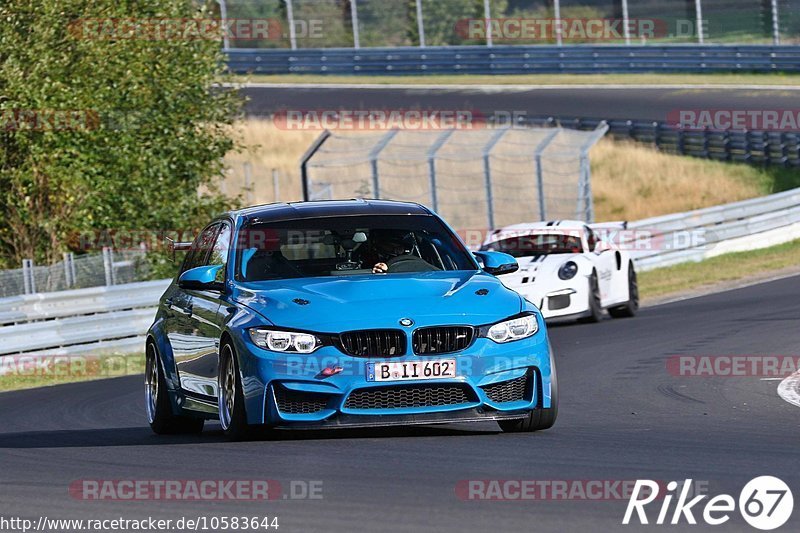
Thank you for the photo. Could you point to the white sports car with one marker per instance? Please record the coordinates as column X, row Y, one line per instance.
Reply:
column 568, row 270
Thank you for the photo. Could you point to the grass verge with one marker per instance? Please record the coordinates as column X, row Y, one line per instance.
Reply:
column 24, row 372
column 535, row 79
column 721, row 269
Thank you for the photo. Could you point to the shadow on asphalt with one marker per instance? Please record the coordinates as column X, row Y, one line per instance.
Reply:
column 144, row 437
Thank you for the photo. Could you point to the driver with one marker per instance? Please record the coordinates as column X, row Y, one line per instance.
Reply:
column 393, row 251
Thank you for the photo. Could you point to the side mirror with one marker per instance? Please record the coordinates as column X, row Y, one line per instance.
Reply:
column 202, row 278
column 497, row 263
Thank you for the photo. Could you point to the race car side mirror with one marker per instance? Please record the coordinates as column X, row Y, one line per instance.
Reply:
column 497, row 263
column 202, row 278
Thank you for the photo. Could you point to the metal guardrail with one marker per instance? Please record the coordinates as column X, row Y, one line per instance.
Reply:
column 115, row 319
column 517, row 59
column 754, row 147
column 746, row 225
column 81, row 320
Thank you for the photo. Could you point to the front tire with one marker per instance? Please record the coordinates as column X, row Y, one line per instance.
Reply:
column 230, row 398
column 159, row 411
column 595, row 308
column 629, row 308
column 538, row 419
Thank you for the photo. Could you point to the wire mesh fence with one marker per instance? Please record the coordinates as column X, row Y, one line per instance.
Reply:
column 76, row 272
column 378, row 23
column 476, row 179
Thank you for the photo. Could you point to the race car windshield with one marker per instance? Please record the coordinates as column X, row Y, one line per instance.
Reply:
column 538, row 244
column 346, row 246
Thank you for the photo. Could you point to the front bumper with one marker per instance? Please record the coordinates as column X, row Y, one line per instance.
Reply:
column 493, row 381
column 557, row 300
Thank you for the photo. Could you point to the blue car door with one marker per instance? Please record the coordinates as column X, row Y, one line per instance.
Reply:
column 198, row 367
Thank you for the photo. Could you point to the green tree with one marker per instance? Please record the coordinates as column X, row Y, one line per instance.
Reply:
column 145, row 127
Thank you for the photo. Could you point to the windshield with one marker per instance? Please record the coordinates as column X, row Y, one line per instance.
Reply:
column 538, row 244
column 346, row 246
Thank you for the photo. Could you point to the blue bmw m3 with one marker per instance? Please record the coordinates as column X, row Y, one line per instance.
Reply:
column 340, row 314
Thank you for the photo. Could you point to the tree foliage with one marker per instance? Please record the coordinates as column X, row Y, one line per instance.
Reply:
column 144, row 131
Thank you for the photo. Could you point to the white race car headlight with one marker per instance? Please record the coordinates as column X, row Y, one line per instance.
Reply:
column 285, row 341
column 568, row 270
column 513, row 329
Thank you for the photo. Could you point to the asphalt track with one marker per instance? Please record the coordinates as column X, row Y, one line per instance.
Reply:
column 623, row 417
column 637, row 103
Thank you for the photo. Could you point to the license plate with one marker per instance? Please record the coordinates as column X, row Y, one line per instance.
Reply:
column 410, row 370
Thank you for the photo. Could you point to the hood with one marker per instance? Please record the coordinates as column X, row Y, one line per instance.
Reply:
column 531, row 267
column 330, row 305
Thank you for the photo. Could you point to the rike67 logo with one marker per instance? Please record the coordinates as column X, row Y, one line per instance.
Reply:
column 765, row 503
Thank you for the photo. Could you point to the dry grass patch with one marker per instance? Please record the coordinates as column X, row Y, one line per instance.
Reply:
column 631, row 182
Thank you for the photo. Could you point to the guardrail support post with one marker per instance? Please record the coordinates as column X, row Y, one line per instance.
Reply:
column 420, row 25
column 28, row 279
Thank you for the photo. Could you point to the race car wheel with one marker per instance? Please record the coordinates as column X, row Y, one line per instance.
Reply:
column 595, row 309
column 629, row 308
column 230, row 398
column 159, row 412
column 538, row 419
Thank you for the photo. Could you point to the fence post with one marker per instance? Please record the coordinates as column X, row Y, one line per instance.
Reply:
column 537, row 157
column 108, row 266
column 28, row 279
column 223, row 14
column 420, row 25
column 354, row 22
column 625, row 18
column 68, row 279
column 438, row 143
column 373, row 159
column 557, row 17
column 698, row 8
column 247, row 167
column 290, row 21
column 487, row 173
column 276, row 185
column 487, row 15
column 776, row 24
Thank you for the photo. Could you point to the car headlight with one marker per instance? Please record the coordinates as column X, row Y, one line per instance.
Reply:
column 568, row 270
column 512, row 330
column 285, row 341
